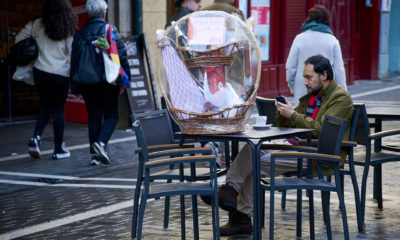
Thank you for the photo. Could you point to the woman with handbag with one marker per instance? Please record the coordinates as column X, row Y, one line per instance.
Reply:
column 53, row 33
column 89, row 78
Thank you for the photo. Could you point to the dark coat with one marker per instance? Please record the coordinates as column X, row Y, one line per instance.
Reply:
column 94, row 28
column 226, row 6
column 182, row 11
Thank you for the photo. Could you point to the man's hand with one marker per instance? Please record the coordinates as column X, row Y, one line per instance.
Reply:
column 285, row 110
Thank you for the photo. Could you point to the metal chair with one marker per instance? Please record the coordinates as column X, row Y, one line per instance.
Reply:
column 349, row 170
column 363, row 136
column 327, row 156
column 169, row 188
column 157, row 135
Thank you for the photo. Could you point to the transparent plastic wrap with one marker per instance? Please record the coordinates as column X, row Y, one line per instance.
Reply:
column 212, row 70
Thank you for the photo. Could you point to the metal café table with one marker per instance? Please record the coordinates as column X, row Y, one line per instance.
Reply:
column 254, row 138
column 383, row 113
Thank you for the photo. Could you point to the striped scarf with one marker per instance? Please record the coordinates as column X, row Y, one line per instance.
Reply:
column 314, row 103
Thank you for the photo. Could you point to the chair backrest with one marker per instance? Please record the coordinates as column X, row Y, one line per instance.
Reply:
column 331, row 135
column 266, row 107
column 354, row 123
column 175, row 127
column 153, row 128
column 362, row 129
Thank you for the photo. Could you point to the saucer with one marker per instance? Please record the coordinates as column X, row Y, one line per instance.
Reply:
column 264, row 126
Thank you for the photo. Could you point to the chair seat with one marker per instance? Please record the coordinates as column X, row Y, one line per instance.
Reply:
column 201, row 174
column 379, row 158
column 186, row 188
column 297, row 183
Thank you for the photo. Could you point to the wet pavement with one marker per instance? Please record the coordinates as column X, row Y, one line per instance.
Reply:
column 69, row 199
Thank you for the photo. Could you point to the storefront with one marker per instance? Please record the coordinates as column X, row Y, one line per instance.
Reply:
column 355, row 23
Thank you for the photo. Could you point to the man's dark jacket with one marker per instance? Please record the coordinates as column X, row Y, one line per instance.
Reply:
column 182, row 11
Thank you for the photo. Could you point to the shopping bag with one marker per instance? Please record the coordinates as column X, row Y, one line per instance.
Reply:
column 25, row 74
column 114, row 73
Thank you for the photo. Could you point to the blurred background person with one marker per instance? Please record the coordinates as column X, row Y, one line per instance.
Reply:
column 185, row 7
column 315, row 38
column 101, row 98
column 227, row 6
column 53, row 33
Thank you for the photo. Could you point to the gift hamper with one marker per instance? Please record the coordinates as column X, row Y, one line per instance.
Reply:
column 212, row 67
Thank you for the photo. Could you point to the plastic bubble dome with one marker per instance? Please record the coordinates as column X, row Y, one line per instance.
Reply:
column 212, row 67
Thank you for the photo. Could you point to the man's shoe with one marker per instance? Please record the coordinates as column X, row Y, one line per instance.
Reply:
column 227, row 198
column 98, row 148
column 62, row 153
column 239, row 223
column 34, row 147
column 95, row 161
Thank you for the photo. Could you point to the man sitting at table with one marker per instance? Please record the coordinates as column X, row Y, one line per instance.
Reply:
column 324, row 96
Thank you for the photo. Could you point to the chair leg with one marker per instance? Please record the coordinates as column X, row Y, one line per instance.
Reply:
column 343, row 208
column 271, row 215
column 360, row 223
column 311, row 213
column 299, row 213
column 378, row 184
column 143, row 202
column 166, row 212
column 325, row 196
column 364, row 191
column 283, row 200
column 215, row 217
column 183, row 226
column 195, row 217
column 262, row 207
column 136, row 206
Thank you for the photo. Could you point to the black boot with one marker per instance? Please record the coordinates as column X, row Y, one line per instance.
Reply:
column 239, row 223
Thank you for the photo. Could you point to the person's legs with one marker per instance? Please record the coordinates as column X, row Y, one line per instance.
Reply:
column 111, row 112
column 240, row 177
column 59, row 98
column 93, row 107
column 44, row 89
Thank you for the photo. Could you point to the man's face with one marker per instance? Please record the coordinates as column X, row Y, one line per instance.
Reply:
column 313, row 80
column 194, row 5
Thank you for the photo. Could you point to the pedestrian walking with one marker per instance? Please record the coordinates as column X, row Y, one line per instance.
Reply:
column 316, row 37
column 53, row 33
column 101, row 97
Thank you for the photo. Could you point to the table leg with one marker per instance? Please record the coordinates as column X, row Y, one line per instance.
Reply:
column 256, row 190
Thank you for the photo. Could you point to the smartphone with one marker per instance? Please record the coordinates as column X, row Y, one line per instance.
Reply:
column 280, row 99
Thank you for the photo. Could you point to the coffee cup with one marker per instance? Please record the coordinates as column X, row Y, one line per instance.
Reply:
column 261, row 120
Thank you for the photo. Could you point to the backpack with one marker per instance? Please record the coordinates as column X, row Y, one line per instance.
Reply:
column 89, row 69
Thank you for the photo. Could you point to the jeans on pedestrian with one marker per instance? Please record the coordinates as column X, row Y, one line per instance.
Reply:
column 102, row 104
column 53, row 91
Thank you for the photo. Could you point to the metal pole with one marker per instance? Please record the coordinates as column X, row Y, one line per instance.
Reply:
column 137, row 17
column 8, row 64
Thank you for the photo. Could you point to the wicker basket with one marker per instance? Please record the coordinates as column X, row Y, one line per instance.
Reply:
column 229, row 119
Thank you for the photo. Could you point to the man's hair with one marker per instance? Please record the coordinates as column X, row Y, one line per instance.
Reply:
column 179, row 3
column 58, row 19
column 321, row 65
column 96, row 8
column 319, row 14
